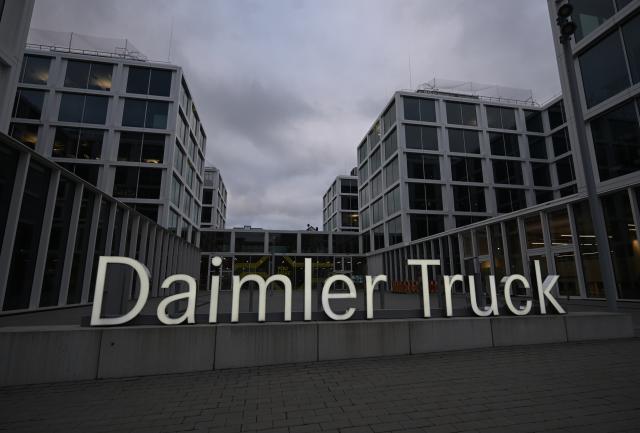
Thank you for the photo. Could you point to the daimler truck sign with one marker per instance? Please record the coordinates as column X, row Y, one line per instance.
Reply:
column 543, row 286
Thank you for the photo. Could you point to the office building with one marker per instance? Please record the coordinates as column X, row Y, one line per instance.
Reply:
column 128, row 126
column 435, row 160
column 15, row 17
column 340, row 205
column 214, row 200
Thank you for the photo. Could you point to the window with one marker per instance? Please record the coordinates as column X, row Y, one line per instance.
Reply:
column 86, row 75
column 83, row 108
column 139, row 147
column 564, row 168
column 616, row 138
column 543, row 196
column 504, row 144
column 283, row 243
column 604, row 70
column 469, row 199
column 349, row 202
column 146, row 81
column 537, row 147
column 374, row 135
column 145, row 114
column 507, row 172
column 590, row 14
column 465, row 220
column 556, row 115
column 376, row 212
column 421, row 166
column 28, row 104
column 466, row 169
column 392, row 201
column 501, row 117
column 349, row 219
column 533, row 120
column 176, row 191
column 541, row 175
column 8, row 163
column 425, row 196
column 348, row 186
column 561, row 143
column 425, row 225
column 631, row 35
column 77, row 143
column 87, row 172
column 510, row 200
column 390, row 145
column 365, row 218
column 421, row 137
column 363, row 173
column 135, row 182
column 378, row 237
column 312, row 243
column 362, row 152
column 364, row 195
column 461, row 114
column 391, row 174
column 568, row 190
column 419, row 109
column 389, row 118
column 376, row 185
column 464, row 141
column 376, row 159
column 394, row 229
column 25, row 133
column 35, row 69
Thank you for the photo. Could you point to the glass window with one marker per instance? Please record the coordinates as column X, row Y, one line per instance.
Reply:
column 376, row 159
column 95, row 109
column 377, row 212
column 421, row 137
column 283, row 243
column 138, row 80
column 469, row 199
column 616, row 137
column 420, row 166
column 513, row 247
column 83, row 108
column 390, row 145
column 507, row 172
column 537, row 147
column 561, row 143
column 132, row 182
column 566, row 269
column 533, row 120
column 138, row 147
column 419, row 109
column 461, row 114
column 362, row 152
column 363, row 173
column 510, row 200
column 157, row 115
column 533, row 231
column 394, row 229
column 212, row 241
column 556, row 115
column 348, row 186
column 543, row 196
column 378, row 237
column 376, row 185
column 27, row 238
column 425, row 225
column 464, row 141
column 391, row 173
column 314, row 243
column 541, row 174
column 345, row 244
column 604, row 70
column 35, row 69
column 425, row 196
column 25, row 133
column 501, row 117
column 559, row 228
column 147, row 114
column 392, row 201
column 504, row 144
column 28, row 104
column 564, row 168
column 466, row 169
column 160, row 82
column 85, row 75
column 389, row 118
column 8, row 164
column 590, row 14
column 631, row 35
column 78, row 143
column 374, row 135
column 623, row 243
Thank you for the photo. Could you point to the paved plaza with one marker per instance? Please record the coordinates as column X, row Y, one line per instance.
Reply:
column 575, row 387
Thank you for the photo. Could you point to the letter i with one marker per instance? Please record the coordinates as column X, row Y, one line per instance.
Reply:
column 215, row 287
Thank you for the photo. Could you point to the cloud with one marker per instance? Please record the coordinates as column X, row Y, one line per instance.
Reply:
column 287, row 89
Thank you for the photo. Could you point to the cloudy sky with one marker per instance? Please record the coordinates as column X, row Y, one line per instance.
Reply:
column 286, row 89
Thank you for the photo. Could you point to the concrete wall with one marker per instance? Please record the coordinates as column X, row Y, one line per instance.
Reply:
column 66, row 353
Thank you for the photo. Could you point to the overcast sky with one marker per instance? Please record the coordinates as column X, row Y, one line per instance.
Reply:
column 286, row 89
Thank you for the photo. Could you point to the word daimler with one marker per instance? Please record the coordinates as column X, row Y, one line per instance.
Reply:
column 543, row 286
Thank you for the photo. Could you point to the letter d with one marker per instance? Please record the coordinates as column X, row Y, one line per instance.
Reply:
column 143, row 275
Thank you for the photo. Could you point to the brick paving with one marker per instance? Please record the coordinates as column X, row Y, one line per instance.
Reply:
column 578, row 387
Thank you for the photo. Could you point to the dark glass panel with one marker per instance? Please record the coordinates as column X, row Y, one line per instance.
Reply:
column 138, row 81
column 71, row 108
column 77, row 74
column 315, row 243
column 149, row 183
column 130, row 146
column 90, row 145
column 537, row 147
column 160, row 83
column 153, row 148
column 95, row 109
column 589, row 15
column 35, row 69
column 157, row 115
column 533, row 120
column 80, row 251
column 28, row 104
column 556, row 115
column 100, row 77
column 134, row 113
column 425, row 225
column 345, row 244
column 25, row 133
column 125, row 182
column 216, row 242
column 8, row 164
column 566, row 269
column 533, row 231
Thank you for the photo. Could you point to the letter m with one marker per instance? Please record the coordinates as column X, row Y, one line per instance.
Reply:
column 262, row 294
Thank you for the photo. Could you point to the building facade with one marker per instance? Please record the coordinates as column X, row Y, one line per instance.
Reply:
column 214, row 200
column 15, row 18
column 434, row 161
column 124, row 124
column 340, row 205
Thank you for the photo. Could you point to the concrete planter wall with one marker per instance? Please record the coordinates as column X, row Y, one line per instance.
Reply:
column 56, row 354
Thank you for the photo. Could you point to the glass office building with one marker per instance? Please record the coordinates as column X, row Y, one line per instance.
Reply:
column 126, row 125
column 214, row 200
column 340, row 205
